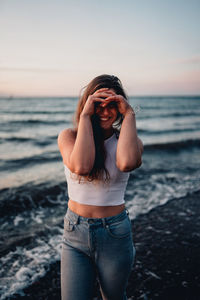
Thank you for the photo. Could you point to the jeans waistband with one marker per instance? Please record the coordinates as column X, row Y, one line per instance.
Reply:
column 75, row 218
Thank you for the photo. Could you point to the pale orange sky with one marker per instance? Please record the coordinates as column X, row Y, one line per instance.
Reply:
column 54, row 48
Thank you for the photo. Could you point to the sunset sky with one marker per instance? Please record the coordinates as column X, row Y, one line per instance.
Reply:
column 54, row 48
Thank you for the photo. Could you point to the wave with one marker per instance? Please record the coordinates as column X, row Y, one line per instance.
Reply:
column 30, row 196
column 37, row 112
column 47, row 157
column 172, row 146
column 169, row 115
column 157, row 132
column 18, row 139
column 167, row 97
column 15, row 139
column 32, row 122
column 27, row 261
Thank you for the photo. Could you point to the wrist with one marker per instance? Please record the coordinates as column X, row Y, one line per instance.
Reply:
column 85, row 116
column 129, row 111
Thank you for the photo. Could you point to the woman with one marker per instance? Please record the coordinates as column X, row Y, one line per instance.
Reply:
column 98, row 155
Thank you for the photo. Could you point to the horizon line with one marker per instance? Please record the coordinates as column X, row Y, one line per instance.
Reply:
column 73, row 96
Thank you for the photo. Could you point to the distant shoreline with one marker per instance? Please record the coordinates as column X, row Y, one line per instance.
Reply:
column 11, row 97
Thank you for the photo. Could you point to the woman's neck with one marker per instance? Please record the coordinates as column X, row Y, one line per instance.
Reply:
column 108, row 133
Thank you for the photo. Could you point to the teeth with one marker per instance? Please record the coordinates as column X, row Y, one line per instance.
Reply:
column 104, row 119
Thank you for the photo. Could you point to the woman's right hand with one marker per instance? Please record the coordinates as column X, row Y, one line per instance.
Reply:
column 98, row 96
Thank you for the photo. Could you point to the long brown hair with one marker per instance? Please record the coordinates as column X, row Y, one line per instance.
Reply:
column 99, row 171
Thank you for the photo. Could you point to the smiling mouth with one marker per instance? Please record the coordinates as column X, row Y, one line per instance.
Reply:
column 104, row 119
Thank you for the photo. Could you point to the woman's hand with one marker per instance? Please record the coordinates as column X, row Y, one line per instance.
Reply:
column 122, row 105
column 98, row 96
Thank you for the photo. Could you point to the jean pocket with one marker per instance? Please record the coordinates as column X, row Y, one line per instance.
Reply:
column 120, row 229
column 68, row 225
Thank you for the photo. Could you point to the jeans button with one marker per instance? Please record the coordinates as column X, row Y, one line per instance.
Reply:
column 90, row 221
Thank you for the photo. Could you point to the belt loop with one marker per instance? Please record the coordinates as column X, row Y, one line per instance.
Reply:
column 104, row 222
column 77, row 220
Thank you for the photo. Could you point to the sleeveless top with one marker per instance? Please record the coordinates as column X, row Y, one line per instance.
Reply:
column 98, row 192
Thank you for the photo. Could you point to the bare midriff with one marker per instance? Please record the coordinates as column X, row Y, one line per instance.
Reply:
column 93, row 211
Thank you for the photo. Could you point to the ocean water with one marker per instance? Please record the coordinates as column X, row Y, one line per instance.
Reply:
column 33, row 191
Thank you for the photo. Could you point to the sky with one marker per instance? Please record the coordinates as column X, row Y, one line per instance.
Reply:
column 55, row 48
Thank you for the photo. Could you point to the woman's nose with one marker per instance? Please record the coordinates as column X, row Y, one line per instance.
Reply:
column 105, row 110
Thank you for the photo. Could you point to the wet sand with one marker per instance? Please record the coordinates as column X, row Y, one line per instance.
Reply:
column 167, row 263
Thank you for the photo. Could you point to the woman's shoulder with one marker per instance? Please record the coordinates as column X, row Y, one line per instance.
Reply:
column 67, row 133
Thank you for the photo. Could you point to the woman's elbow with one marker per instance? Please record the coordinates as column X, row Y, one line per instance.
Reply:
column 139, row 163
column 82, row 171
column 127, row 167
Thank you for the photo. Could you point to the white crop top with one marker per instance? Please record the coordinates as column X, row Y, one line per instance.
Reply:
column 100, row 193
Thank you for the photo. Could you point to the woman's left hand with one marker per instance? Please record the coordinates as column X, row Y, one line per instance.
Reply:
column 122, row 104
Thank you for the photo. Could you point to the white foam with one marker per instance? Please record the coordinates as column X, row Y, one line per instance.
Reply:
column 22, row 267
column 159, row 191
column 23, row 274
column 17, row 220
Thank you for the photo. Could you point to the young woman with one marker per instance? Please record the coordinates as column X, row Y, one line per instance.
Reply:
column 98, row 155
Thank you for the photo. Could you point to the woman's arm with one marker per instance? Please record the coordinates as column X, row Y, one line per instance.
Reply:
column 129, row 147
column 78, row 150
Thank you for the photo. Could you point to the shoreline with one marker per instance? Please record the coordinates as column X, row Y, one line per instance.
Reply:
column 167, row 262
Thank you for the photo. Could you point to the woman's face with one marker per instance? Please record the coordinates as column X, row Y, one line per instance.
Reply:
column 107, row 113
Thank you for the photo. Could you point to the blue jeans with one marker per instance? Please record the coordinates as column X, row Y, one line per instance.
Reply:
column 99, row 248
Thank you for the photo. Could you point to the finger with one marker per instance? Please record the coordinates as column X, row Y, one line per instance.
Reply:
column 103, row 94
column 105, row 90
column 96, row 99
column 107, row 102
column 112, row 92
column 100, row 90
column 111, row 98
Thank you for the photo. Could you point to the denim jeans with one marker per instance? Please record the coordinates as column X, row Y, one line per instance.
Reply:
column 99, row 248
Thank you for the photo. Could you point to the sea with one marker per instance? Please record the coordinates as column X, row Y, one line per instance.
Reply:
column 33, row 190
